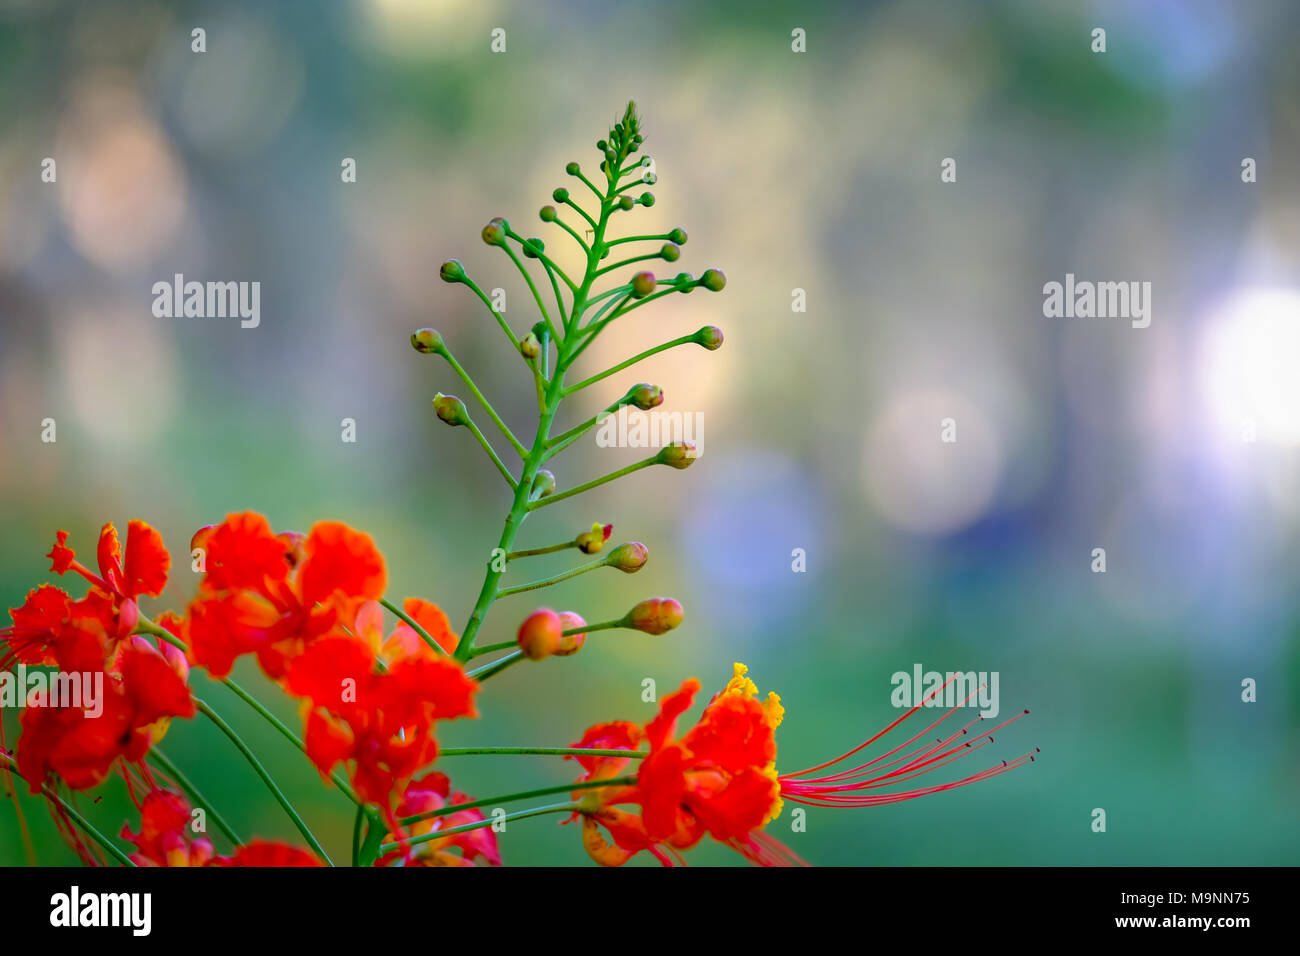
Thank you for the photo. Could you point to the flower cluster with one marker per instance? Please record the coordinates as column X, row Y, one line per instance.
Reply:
column 373, row 681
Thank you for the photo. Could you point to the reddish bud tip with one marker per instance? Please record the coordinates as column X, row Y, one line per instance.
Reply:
column 710, row 337
column 571, row 643
column 644, row 396
column 643, row 283
column 427, row 341
column 451, row 409
column 680, row 454
column 593, row 541
column 629, row 558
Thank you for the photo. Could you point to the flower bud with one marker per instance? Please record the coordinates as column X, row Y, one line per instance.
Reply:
column 529, row 346
column 200, row 538
column 713, row 280
column 548, row 214
column 452, row 271
column 543, row 484
column 643, row 283
column 602, row 145
column 654, row 616
column 647, row 199
column 625, row 203
column 571, row 643
column 533, row 248
column 540, row 634
column 678, row 236
column 572, row 169
column 684, row 281
column 629, row 558
column 494, row 233
column 591, row 542
column 670, row 252
column 451, row 409
column 427, row 341
column 710, row 337
column 680, row 454
column 128, row 616
column 644, row 396
column 560, row 195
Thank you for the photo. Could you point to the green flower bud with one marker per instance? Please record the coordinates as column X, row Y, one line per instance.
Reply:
column 548, row 214
column 625, row 203
column 655, row 616
column 452, row 271
column 678, row 236
column 670, row 253
column 427, row 341
column 647, row 199
column 451, row 409
column 679, row 455
column 543, row 484
column 560, row 195
column 628, row 558
column 494, row 233
column 643, row 283
column 529, row 346
column 602, row 145
column 572, row 169
column 713, row 280
column 710, row 337
column 533, row 248
column 591, row 542
column 644, row 396
column 684, row 281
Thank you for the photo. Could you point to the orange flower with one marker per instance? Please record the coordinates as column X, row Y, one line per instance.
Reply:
column 258, row 597
column 721, row 777
column 375, row 711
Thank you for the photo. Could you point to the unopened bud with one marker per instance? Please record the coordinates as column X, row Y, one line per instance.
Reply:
column 647, row 199
column 644, row 396
column 654, row 616
column 625, row 203
column 677, row 236
column 713, row 280
column 451, row 409
column 572, row 169
column 548, row 214
column 529, row 346
column 543, row 484
column 710, row 337
column 670, row 253
column 571, row 643
column 560, row 194
column 494, row 233
column 684, row 281
column 200, row 537
column 629, row 558
column 427, row 341
column 452, row 271
column 593, row 541
column 533, row 248
column 680, row 454
column 540, row 634
column 643, row 283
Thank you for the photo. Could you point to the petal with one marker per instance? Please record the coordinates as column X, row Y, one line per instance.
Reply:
column 147, row 561
column 109, row 553
column 61, row 557
column 242, row 552
column 340, row 561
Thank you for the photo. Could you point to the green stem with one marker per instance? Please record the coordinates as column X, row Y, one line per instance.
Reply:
column 195, row 796
column 77, row 819
column 524, row 795
column 481, row 674
column 479, row 397
column 491, row 453
column 594, row 483
column 553, row 579
column 412, row 624
column 488, row 649
column 536, row 298
column 534, row 552
column 266, row 779
column 501, row 319
column 467, row 827
column 683, row 340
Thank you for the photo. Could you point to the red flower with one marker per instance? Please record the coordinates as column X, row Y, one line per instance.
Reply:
column 721, row 778
column 258, row 596
column 375, row 712
column 52, row 629
column 477, row 847
column 268, row 853
column 166, row 837
column 137, row 696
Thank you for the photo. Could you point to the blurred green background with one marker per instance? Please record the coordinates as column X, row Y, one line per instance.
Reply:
column 817, row 171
